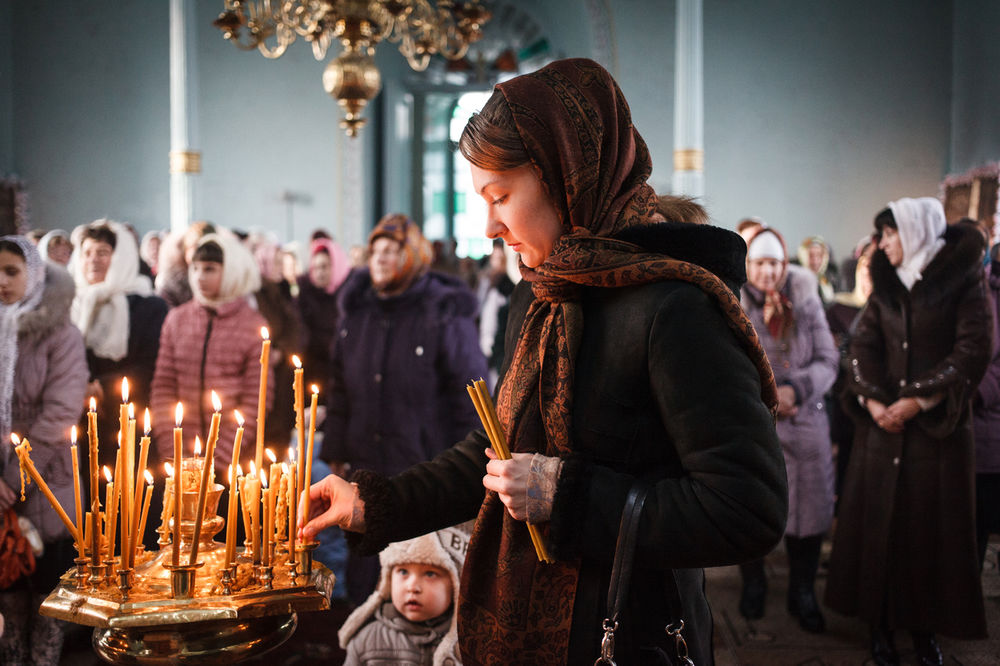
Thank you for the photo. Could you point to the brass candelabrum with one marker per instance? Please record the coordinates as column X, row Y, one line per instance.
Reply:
column 206, row 613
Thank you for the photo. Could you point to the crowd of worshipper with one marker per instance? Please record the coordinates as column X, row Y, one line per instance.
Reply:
column 392, row 332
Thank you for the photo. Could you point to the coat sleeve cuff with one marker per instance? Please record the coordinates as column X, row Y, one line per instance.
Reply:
column 376, row 492
column 566, row 522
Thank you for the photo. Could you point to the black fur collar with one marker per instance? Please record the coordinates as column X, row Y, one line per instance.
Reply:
column 715, row 249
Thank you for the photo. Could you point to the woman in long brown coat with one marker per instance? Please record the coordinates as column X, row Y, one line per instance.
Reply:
column 904, row 555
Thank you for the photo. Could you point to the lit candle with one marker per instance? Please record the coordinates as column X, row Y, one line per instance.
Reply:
column 273, row 470
column 129, row 509
column 178, row 473
column 122, row 472
column 234, row 495
column 299, row 409
column 95, row 479
column 145, row 506
column 109, row 513
column 206, row 471
column 137, row 532
column 265, row 357
column 266, row 557
column 252, row 488
column 22, row 449
column 281, row 506
column 308, row 462
column 81, row 546
column 168, row 502
column 244, row 511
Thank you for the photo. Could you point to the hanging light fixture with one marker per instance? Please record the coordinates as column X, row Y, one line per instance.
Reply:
column 420, row 28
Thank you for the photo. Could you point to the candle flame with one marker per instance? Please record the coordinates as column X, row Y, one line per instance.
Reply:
column 124, row 389
column 263, row 480
column 270, row 455
column 93, row 404
column 15, row 439
column 179, row 415
column 263, row 332
column 297, row 362
column 239, row 470
column 291, row 453
column 216, row 402
column 145, row 422
column 238, row 417
column 131, row 410
column 253, row 469
column 119, row 439
column 315, row 389
column 107, row 473
column 168, row 468
column 72, row 434
column 197, row 445
column 148, row 475
column 284, row 468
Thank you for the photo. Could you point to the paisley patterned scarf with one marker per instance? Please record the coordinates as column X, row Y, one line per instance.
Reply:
column 576, row 126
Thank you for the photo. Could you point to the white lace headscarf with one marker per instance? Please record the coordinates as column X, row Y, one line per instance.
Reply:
column 920, row 223
column 10, row 316
column 240, row 273
column 100, row 310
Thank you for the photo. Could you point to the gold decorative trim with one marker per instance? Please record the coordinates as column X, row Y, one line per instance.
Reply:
column 689, row 159
column 185, row 161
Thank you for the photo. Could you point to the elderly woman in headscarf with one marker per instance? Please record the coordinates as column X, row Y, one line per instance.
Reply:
column 630, row 364
column 120, row 319
column 788, row 315
column 904, row 553
column 317, row 302
column 405, row 348
column 56, row 246
column 43, row 376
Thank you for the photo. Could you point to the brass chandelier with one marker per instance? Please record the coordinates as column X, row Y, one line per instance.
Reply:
column 420, row 28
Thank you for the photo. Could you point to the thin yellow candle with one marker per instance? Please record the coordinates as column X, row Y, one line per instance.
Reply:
column 273, row 470
column 128, row 490
column 137, row 533
column 145, row 506
column 95, row 479
column 81, row 546
column 299, row 413
column 292, row 509
column 231, row 517
column 178, row 496
column 265, row 357
column 266, row 541
column 109, row 513
column 88, row 536
column 168, row 502
column 206, row 471
column 308, row 462
column 22, row 449
column 122, row 487
column 252, row 487
column 244, row 511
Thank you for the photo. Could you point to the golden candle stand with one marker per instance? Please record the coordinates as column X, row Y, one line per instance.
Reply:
column 157, row 613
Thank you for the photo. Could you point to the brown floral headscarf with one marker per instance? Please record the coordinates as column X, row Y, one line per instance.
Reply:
column 415, row 249
column 576, row 127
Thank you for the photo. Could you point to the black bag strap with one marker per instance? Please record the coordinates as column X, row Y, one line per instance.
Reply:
column 621, row 576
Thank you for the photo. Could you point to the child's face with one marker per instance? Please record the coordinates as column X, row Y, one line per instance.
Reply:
column 207, row 278
column 421, row 592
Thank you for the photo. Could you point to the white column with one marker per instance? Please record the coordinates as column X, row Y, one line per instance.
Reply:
column 689, row 121
column 185, row 161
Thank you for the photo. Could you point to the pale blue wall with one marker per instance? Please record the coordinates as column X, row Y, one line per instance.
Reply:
column 976, row 120
column 816, row 114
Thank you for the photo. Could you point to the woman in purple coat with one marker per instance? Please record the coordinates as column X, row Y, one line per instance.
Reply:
column 783, row 304
column 405, row 349
column 43, row 377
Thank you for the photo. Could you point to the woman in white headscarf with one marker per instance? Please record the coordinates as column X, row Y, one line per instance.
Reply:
column 904, row 554
column 43, row 375
column 120, row 319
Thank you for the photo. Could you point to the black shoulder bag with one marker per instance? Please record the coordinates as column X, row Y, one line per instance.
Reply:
column 621, row 577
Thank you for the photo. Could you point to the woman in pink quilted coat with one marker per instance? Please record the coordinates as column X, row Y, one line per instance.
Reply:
column 211, row 343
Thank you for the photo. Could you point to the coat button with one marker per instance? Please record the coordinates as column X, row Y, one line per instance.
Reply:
column 378, row 377
column 916, row 385
column 819, row 405
column 419, row 350
column 895, row 461
column 343, row 332
column 902, row 382
column 906, row 345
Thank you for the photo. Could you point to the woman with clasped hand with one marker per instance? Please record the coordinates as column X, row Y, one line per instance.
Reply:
column 630, row 359
column 904, row 553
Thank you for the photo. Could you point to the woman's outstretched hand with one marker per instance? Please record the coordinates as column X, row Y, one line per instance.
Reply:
column 332, row 502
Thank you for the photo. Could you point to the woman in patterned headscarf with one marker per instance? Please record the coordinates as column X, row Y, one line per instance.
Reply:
column 631, row 361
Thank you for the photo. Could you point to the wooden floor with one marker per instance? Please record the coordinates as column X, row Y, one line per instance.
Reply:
column 776, row 640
